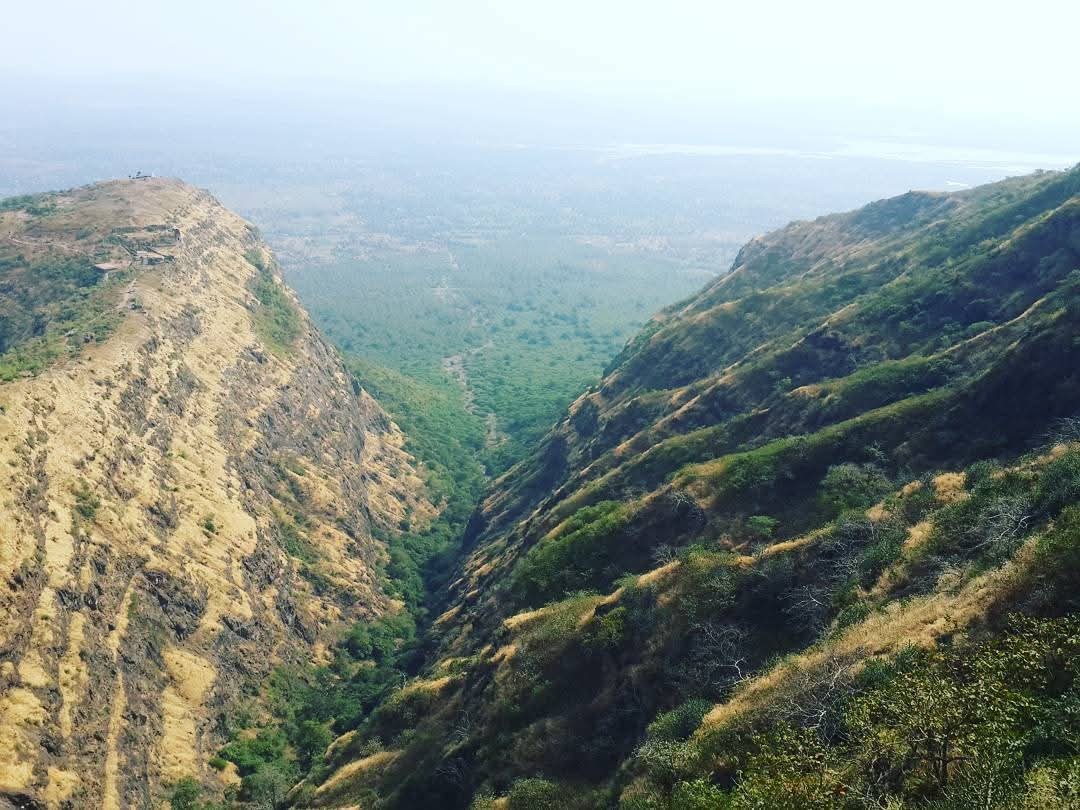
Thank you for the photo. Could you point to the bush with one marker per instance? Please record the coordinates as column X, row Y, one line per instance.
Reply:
column 1057, row 562
column 681, row 722
column 184, row 794
column 248, row 754
column 790, row 770
column 852, row 486
column 699, row 794
column 86, row 502
column 987, row 703
column 607, row 631
column 852, row 614
column 268, row 786
column 255, row 258
column 990, row 523
column 667, row 761
column 760, row 528
column 1059, row 484
column 535, row 794
column 574, row 558
column 277, row 319
column 311, row 740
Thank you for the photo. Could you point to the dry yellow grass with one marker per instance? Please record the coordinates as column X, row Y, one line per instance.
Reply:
column 339, row 743
column 191, row 675
column 949, row 487
column 910, row 488
column 877, row 512
column 426, row 685
column 60, row 786
column 917, row 535
column 72, row 677
column 448, row 615
column 523, row 618
column 657, row 574
column 110, row 795
column 504, row 653
column 178, row 744
column 920, row 621
column 344, row 777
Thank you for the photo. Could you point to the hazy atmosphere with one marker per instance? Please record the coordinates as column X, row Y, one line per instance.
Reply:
column 551, row 406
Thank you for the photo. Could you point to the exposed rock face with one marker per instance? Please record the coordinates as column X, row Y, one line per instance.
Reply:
column 186, row 504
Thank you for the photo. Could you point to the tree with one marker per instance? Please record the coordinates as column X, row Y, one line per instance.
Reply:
column 311, row 740
column 852, row 486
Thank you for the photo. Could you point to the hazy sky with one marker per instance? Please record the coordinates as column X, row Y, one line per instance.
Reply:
column 1013, row 56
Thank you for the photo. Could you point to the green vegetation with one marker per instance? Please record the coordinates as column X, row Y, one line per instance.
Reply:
column 833, row 733
column 950, row 728
column 450, row 443
column 185, row 794
column 309, row 706
column 852, row 486
column 277, row 318
column 87, row 502
column 51, row 308
column 293, row 541
column 36, row 205
column 808, row 544
column 533, row 322
column 575, row 558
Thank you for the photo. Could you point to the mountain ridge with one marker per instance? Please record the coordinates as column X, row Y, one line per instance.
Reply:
column 194, row 490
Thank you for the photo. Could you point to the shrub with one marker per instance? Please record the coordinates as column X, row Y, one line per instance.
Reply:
column 268, row 786
column 1059, row 484
column 761, row 527
column 608, row 630
column 255, row 258
column 791, row 770
column 985, row 703
column 311, row 740
column 699, row 794
column 574, row 558
column 249, row 754
column 852, row 486
column 990, row 523
column 667, row 761
column 184, row 794
column 1057, row 562
column 535, row 794
column 86, row 502
column 852, row 614
column 886, row 541
column 680, row 722
column 277, row 319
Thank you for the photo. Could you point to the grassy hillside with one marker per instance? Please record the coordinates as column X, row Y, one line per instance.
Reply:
column 812, row 541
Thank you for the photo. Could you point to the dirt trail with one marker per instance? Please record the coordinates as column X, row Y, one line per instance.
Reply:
column 454, row 364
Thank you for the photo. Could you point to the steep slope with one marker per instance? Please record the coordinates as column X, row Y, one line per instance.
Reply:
column 835, row 450
column 192, row 486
